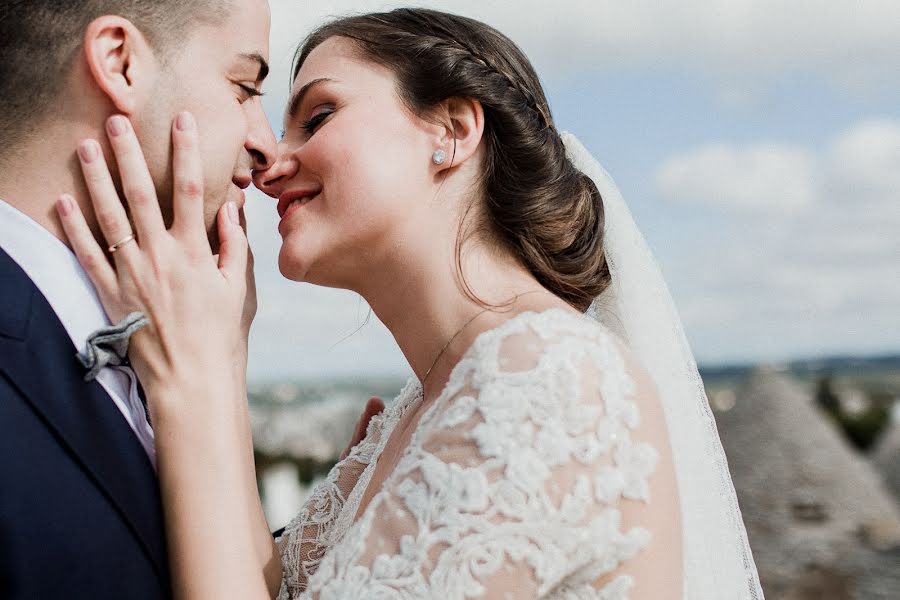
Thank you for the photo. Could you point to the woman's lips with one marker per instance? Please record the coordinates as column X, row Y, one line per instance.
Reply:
column 292, row 208
column 290, row 201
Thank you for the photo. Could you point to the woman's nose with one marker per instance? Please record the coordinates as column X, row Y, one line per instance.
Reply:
column 271, row 180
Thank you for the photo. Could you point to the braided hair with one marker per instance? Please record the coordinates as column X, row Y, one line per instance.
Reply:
column 537, row 204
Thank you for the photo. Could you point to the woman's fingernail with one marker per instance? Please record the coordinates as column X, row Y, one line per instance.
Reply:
column 64, row 205
column 116, row 125
column 184, row 121
column 233, row 213
column 88, row 151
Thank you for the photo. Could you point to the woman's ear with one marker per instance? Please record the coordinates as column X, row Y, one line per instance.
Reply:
column 463, row 129
column 120, row 60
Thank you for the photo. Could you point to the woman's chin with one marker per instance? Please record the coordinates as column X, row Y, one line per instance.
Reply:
column 302, row 271
column 290, row 267
column 305, row 266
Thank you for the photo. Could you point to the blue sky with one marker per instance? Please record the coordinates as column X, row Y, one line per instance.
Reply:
column 758, row 147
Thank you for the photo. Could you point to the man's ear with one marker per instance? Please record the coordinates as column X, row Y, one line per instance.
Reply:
column 120, row 60
column 462, row 131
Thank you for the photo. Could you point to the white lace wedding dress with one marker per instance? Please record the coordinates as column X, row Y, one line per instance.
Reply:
column 511, row 487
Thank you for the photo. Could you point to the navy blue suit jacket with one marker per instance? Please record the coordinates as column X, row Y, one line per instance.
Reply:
column 80, row 513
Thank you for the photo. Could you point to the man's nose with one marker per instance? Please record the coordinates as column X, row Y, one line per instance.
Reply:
column 260, row 141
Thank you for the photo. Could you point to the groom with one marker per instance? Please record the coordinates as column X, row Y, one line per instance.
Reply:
column 80, row 514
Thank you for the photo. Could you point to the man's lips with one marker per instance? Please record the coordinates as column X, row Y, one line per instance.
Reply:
column 242, row 182
column 284, row 201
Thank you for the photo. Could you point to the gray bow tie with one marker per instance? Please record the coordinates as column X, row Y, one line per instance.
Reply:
column 109, row 345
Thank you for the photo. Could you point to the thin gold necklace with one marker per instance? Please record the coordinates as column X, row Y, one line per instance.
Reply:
column 447, row 345
column 460, row 330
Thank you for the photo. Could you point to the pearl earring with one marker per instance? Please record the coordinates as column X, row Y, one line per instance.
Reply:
column 438, row 157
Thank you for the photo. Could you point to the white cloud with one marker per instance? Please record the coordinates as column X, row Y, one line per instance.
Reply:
column 866, row 160
column 860, row 166
column 770, row 178
column 820, row 278
column 741, row 44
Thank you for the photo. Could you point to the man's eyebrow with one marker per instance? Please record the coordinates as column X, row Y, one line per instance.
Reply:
column 294, row 104
column 258, row 59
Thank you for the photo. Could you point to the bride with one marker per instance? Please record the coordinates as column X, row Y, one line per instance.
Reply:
column 531, row 456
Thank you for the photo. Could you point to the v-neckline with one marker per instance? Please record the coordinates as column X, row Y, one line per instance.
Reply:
column 413, row 398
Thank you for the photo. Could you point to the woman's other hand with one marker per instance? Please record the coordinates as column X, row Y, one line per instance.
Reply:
column 373, row 407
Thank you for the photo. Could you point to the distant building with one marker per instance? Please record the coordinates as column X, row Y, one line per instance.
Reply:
column 821, row 523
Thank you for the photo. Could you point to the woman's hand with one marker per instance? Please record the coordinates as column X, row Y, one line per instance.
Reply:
column 194, row 300
column 191, row 359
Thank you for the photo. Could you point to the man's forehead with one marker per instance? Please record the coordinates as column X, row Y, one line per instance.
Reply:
column 246, row 33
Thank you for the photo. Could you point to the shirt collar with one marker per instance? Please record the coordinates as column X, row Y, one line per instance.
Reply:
column 56, row 272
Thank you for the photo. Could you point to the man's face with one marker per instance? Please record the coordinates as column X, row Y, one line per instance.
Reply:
column 216, row 75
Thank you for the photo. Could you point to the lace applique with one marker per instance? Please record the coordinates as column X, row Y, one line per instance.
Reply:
column 510, row 486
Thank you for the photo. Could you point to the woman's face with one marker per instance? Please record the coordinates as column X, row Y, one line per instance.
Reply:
column 353, row 173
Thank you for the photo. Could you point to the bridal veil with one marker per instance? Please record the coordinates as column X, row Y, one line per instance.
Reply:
column 718, row 563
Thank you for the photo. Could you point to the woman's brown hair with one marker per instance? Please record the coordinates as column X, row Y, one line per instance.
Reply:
column 537, row 204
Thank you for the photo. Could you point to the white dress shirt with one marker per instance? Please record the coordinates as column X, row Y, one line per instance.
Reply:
column 56, row 272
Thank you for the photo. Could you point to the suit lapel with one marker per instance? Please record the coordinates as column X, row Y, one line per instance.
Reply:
column 37, row 356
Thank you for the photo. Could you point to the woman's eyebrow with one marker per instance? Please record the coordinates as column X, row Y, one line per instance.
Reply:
column 294, row 104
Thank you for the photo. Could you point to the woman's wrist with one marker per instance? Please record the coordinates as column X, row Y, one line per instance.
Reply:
column 186, row 395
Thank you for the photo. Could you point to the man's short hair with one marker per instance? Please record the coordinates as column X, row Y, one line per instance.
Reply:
column 40, row 38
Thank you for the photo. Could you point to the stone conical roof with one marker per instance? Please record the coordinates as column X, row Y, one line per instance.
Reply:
column 818, row 516
column 886, row 458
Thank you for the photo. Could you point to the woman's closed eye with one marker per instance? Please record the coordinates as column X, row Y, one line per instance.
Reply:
column 316, row 120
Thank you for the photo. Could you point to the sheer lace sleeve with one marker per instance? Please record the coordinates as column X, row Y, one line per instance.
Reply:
column 314, row 530
column 514, row 483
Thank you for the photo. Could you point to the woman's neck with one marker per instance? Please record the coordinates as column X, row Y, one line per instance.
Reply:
column 432, row 318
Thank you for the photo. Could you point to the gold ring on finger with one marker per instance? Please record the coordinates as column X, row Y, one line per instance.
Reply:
column 120, row 243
